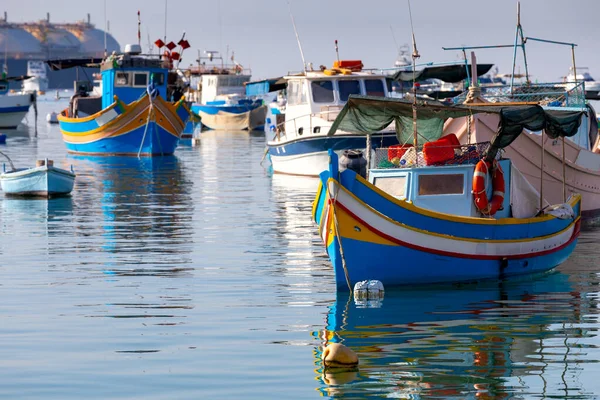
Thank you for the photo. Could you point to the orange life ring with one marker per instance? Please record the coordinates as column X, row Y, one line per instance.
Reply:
column 485, row 206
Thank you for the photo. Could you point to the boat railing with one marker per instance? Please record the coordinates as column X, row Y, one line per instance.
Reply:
column 225, row 69
column 558, row 94
column 327, row 115
column 429, row 154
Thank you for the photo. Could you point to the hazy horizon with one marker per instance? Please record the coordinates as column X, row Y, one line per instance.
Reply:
column 262, row 37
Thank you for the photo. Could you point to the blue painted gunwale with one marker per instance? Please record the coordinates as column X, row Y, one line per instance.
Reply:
column 14, row 109
column 316, row 144
column 468, row 228
column 85, row 125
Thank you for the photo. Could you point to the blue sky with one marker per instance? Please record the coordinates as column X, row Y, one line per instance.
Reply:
column 261, row 34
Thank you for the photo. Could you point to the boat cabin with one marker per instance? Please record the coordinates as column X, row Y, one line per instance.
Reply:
column 217, row 89
column 127, row 76
column 445, row 189
column 314, row 98
column 36, row 68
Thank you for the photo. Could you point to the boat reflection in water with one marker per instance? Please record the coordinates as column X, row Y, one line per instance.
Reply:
column 300, row 259
column 48, row 218
column 479, row 341
column 146, row 209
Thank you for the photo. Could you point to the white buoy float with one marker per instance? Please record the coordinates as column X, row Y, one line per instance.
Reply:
column 368, row 293
column 52, row 118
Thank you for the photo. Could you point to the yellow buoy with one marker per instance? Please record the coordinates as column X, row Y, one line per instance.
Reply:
column 338, row 355
column 330, row 72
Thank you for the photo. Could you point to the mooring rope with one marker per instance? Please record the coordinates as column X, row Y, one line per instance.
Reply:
column 339, row 239
column 152, row 93
column 12, row 166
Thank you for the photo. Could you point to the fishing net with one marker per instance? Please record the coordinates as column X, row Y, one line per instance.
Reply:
column 406, row 156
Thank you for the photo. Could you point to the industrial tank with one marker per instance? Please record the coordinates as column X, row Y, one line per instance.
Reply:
column 44, row 40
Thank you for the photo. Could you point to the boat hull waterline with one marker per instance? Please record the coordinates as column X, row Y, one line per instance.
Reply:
column 309, row 156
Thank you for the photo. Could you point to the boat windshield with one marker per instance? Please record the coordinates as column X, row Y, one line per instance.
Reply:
column 587, row 77
column 374, row 87
column 348, row 87
column 322, row 91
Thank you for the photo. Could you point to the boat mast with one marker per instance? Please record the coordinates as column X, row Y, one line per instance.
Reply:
column 297, row 38
column 519, row 35
column 415, row 55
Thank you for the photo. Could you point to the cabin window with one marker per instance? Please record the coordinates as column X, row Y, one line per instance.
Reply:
column 322, row 91
column 140, row 79
column 374, row 87
column 158, row 79
column 122, row 79
column 396, row 186
column 303, row 93
column 436, row 184
column 347, row 88
column 3, row 88
column 294, row 93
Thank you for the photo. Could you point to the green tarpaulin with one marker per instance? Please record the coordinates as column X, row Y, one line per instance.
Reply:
column 368, row 114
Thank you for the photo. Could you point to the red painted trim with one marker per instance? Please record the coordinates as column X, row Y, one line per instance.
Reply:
column 574, row 236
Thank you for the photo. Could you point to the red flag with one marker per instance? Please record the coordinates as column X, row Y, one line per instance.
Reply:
column 175, row 55
column 159, row 43
column 184, row 44
column 171, row 45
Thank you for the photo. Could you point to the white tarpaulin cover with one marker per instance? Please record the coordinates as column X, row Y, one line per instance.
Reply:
column 524, row 198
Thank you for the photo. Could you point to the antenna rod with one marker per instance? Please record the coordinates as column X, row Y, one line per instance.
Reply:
column 297, row 38
column 415, row 55
column 139, row 30
column 165, row 37
column 395, row 41
column 337, row 51
column 105, row 29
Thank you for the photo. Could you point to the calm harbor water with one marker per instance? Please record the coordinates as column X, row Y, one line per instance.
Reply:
column 202, row 276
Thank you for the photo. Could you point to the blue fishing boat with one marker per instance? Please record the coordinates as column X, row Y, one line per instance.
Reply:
column 44, row 180
column 441, row 212
column 139, row 112
column 219, row 96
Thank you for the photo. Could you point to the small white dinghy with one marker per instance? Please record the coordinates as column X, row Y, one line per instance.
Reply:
column 44, row 180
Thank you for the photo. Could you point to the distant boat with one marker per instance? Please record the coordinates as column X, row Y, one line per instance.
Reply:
column 132, row 116
column 425, row 216
column 37, row 80
column 13, row 106
column 43, row 180
column 219, row 96
column 592, row 86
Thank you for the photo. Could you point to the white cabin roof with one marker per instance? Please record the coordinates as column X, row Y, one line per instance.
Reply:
column 322, row 75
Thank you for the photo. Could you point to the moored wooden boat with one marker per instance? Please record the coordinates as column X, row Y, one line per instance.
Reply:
column 414, row 220
column 140, row 112
column 43, row 180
